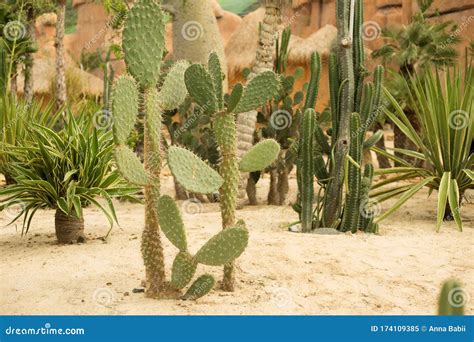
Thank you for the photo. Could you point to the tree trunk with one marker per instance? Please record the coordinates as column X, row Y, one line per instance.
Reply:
column 196, row 33
column 283, row 186
column 14, row 84
column 384, row 163
column 9, row 180
column 69, row 229
column 252, row 190
column 29, row 61
column 246, row 122
column 180, row 193
column 273, row 198
column 60, row 63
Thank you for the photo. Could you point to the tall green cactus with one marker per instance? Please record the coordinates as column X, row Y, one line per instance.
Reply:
column 205, row 87
column 143, row 44
column 355, row 105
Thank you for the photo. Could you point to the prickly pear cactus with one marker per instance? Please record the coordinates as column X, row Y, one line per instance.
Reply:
column 204, row 85
column 355, row 105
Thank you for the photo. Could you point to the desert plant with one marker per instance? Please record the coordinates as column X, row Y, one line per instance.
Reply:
column 452, row 299
column 443, row 103
column 280, row 120
column 143, row 47
column 65, row 171
column 16, row 116
column 415, row 48
column 355, row 104
column 206, row 88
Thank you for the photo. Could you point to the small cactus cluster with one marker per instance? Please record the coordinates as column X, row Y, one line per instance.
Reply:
column 354, row 106
column 143, row 44
column 205, row 86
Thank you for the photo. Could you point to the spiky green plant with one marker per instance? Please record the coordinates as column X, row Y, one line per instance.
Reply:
column 452, row 299
column 206, row 88
column 355, row 104
column 143, row 45
column 65, row 171
column 443, row 104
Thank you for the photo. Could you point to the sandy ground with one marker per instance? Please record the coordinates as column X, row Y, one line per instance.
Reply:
column 398, row 272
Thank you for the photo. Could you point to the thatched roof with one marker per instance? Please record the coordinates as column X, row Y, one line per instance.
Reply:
column 44, row 73
column 300, row 49
column 242, row 45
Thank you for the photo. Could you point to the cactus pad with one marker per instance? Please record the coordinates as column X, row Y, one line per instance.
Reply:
column 129, row 166
column 200, row 86
column 260, row 156
column 184, row 268
column 124, row 108
column 258, row 91
column 144, row 42
column 201, row 287
column 224, row 247
column 171, row 222
column 217, row 77
column 235, row 97
column 191, row 172
column 173, row 92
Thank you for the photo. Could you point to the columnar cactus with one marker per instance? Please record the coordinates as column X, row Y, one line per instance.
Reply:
column 355, row 104
column 143, row 44
column 205, row 87
column 452, row 299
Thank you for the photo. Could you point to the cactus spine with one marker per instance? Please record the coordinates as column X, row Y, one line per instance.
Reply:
column 354, row 106
column 205, row 87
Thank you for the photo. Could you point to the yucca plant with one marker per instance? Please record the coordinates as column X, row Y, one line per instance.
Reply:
column 65, row 171
column 443, row 103
column 15, row 115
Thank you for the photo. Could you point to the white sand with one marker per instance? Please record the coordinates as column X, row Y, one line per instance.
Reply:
column 398, row 272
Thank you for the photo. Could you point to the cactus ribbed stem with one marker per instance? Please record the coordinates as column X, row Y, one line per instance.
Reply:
column 333, row 203
column 351, row 209
column 226, row 131
column 306, row 166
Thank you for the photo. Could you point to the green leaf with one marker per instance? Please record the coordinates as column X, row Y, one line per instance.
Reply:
column 405, row 197
column 454, row 203
column 443, row 192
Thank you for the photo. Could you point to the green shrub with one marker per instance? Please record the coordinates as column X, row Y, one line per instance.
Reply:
column 443, row 103
column 65, row 171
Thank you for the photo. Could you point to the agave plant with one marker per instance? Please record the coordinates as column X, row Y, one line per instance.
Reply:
column 65, row 171
column 16, row 115
column 443, row 103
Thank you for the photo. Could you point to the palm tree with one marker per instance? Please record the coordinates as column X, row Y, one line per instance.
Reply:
column 414, row 48
column 60, row 63
column 264, row 61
